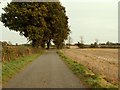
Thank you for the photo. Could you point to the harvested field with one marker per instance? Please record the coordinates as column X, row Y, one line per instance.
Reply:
column 100, row 61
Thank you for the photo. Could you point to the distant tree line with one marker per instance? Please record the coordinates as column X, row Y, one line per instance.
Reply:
column 100, row 45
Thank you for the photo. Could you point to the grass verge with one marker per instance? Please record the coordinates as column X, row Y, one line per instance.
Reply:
column 10, row 68
column 91, row 79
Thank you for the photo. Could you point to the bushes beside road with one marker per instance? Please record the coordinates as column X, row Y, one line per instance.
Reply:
column 15, row 58
column 14, row 52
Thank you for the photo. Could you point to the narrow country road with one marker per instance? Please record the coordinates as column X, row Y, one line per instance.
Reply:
column 47, row 71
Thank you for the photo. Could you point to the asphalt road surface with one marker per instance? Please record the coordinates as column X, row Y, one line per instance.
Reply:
column 47, row 71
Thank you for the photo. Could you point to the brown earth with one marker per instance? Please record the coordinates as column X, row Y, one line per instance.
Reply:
column 100, row 61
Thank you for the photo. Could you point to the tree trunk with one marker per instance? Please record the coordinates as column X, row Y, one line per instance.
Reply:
column 48, row 44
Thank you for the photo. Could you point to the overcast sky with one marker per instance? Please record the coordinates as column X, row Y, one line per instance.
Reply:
column 92, row 19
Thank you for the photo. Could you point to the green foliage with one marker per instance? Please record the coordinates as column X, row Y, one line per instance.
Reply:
column 39, row 22
column 27, row 18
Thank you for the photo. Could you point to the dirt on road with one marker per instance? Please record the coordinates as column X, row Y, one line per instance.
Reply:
column 101, row 61
column 47, row 71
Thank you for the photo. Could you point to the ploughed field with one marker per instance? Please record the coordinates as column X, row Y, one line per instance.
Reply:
column 100, row 61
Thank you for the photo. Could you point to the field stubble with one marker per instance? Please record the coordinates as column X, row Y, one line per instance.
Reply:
column 100, row 61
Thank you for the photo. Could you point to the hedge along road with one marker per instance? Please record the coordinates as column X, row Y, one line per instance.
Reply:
column 47, row 71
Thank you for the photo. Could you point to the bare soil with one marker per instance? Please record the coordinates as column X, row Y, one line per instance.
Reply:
column 100, row 61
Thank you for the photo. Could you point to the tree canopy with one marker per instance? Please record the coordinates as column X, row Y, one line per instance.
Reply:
column 39, row 22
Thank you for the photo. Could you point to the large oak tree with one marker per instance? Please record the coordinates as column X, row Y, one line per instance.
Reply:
column 39, row 22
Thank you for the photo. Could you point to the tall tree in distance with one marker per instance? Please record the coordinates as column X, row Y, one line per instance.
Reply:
column 69, row 40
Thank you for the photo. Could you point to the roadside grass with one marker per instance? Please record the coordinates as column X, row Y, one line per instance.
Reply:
column 91, row 79
column 10, row 68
